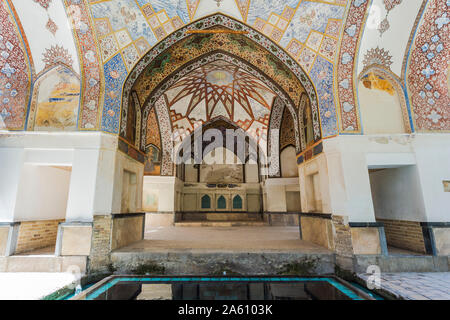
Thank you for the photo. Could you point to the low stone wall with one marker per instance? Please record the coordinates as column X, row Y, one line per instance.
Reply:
column 284, row 220
column 404, row 235
column 318, row 229
column 112, row 232
column 126, row 230
column 36, row 235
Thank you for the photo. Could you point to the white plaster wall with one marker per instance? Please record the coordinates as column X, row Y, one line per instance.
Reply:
column 391, row 200
column 380, row 112
column 344, row 177
column 314, row 181
column 34, row 19
column 91, row 155
column 433, row 165
column 288, row 160
column 275, row 193
column 11, row 160
column 397, row 194
column 163, row 189
column 43, row 193
column 123, row 164
column 395, row 40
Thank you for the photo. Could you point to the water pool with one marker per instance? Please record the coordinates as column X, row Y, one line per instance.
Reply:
column 222, row 288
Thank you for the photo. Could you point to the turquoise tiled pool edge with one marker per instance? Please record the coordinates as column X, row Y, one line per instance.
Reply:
column 170, row 280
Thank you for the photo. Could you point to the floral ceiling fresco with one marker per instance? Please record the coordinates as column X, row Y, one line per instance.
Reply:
column 333, row 41
column 219, row 89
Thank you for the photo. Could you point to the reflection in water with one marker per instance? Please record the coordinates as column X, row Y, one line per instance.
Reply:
column 317, row 290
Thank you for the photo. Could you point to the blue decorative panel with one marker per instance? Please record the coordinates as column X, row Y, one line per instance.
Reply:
column 322, row 76
column 115, row 74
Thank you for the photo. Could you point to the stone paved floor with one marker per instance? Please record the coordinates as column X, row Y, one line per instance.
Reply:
column 212, row 239
column 416, row 286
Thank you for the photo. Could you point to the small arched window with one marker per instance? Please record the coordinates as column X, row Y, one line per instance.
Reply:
column 206, row 202
column 237, row 202
column 221, row 203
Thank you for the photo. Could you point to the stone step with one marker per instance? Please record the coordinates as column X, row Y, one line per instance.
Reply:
column 221, row 224
column 219, row 216
column 45, row 263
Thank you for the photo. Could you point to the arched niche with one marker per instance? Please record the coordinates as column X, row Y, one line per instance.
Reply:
column 185, row 50
column 222, row 203
column 237, row 203
column 306, row 122
column 152, row 165
column 206, row 202
column 288, row 160
column 56, row 99
column 217, row 148
column 382, row 103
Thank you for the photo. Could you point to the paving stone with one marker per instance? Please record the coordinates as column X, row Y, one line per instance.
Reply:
column 416, row 286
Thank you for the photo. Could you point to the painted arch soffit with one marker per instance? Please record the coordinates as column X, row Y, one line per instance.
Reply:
column 181, row 46
column 172, row 81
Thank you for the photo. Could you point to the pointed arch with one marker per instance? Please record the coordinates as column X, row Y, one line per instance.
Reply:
column 170, row 55
column 385, row 73
column 49, row 109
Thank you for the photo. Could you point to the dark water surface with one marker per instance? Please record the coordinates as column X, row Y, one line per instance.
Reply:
column 254, row 288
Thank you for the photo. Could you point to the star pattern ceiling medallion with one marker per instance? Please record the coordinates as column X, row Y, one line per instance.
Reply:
column 219, row 89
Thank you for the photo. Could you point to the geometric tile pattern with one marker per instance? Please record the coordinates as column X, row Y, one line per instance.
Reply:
column 219, row 89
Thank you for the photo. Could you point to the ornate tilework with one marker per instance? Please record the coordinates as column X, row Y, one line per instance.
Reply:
column 157, row 74
column 377, row 56
column 15, row 73
column 206, row 60
column 322, row 75
column 274, row 135
column 44, row 3
column 56, row 55
column 287, row 133
column 115, row 73
column 346, row 66
column 90, row 63
column 153, row 136
column 427, row 73
column 162, row 113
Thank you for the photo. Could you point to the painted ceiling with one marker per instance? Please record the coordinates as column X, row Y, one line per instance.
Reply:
column 332, row 40
column 219, row 89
